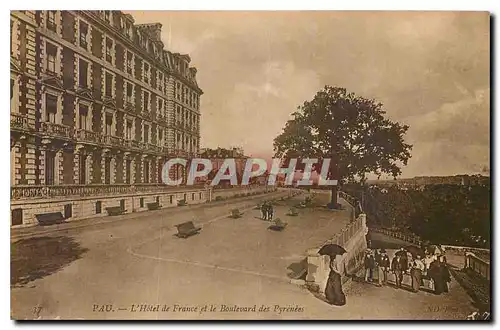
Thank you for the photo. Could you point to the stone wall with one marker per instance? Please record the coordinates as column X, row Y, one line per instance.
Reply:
column 353, row 239
column 86, row 207
column 223, row 194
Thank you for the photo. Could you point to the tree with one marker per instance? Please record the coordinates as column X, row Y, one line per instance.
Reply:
column 350, row 130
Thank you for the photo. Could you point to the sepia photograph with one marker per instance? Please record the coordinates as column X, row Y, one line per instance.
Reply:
column 250, row 165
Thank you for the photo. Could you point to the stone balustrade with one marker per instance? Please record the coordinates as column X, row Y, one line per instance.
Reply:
column 24, row 192
column 477, row 265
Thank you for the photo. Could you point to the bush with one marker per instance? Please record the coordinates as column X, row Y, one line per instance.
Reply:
column 218, row 198
column 182, row 202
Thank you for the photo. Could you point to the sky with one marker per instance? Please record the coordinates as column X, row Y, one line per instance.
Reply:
column 429, row 69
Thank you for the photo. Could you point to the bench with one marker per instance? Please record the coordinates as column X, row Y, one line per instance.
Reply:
column 115, row 210
column 153, row 206
column 278, row 225
column 186, row 229
column 235, row 213
column 47, row 219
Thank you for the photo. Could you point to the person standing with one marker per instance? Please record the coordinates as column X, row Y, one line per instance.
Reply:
column 435, row 274
column 369, row 263
column 263, row 210
column 384, row 266
column 378, row 268
column 270, row 212
column 445, row 273
column 397, row 268
column 416, row 273
column 333, row 291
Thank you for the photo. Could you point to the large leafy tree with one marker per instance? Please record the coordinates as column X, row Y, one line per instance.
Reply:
column 350, row 130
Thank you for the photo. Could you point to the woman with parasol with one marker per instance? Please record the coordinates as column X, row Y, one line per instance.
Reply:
column 333, row 291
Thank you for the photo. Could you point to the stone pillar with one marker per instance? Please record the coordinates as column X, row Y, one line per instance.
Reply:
column 132, row 170
column 13, row 163
column 104, row 153
column 76, row 167
column 141, row 175
column 90, row 168
column 124, row 167
column 59, row 168
column 30, row 174
column 112, row 169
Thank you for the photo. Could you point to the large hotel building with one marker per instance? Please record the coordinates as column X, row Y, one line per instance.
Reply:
column 97, row 106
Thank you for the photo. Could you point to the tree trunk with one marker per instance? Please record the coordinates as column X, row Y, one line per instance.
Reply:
column 334, row 199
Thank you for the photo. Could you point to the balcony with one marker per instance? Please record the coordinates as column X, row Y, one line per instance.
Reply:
column 147, row 115
column 57, row 130
column 129, row 106
column 19, row 121
column 162, row 119
column 30, row 192
column 153, row 147
column 88, row 136
column 114, row 141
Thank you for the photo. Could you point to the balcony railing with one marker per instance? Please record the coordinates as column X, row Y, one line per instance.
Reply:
column 58, row 130
column 113, row 141
column 19, row 121
column 88, row 136
column 25, row 192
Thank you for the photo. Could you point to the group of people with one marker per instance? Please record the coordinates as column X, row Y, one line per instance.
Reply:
column 267, row 211
column 433, row 267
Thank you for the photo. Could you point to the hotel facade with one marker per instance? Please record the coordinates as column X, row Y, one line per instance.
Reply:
column 97, row 106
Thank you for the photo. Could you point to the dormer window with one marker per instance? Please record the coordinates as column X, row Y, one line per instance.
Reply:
column 107, row 16
column 51, row 20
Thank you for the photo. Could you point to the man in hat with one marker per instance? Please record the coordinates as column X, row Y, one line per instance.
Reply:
column 369, row 264
column 384, row 266
column 397, row 268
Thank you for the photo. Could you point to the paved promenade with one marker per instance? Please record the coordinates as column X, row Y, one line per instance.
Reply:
column 137, row 269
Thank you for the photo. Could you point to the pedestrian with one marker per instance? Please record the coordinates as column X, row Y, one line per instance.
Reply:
column 378, row 268
column 397, row 269
column 369, row 266
column 445, row 273
column 264, row 210
column 333, row 291
column 416, row 273
column 270, row 211
column 385, row 265
column 436, row 274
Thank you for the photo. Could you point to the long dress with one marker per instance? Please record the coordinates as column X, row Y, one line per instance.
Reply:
column 416, row 275
column 333, row 291
column 437, row 276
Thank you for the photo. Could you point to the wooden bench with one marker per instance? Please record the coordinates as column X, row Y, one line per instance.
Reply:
column 154, row 206
column 186, row 229
column 47, row 219
column 115, row 210
column 278, row 225
column 235, row 213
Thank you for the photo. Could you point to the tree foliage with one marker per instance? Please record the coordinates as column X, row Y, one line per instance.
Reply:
column 447, row 214
column 349, row 129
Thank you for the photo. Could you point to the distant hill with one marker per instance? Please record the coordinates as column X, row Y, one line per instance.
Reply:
column 464, row 179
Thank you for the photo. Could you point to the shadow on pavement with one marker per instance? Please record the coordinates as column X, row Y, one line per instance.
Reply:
column 38, row 257
column 298, row 270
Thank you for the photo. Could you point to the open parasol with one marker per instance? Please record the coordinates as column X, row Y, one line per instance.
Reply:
column 332, row 250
